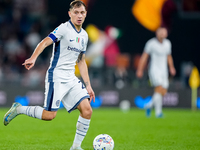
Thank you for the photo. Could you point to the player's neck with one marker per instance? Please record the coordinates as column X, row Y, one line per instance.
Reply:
column 78, row 28
column 160, row 40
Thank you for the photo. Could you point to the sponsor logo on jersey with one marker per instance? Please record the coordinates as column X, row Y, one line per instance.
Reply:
column 63, row 82
column 71, row 40
column 74, row 49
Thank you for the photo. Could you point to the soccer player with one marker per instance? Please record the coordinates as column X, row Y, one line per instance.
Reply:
column 61, row 84
column 159, row 50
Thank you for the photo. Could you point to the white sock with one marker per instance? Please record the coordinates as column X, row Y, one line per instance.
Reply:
column 32, row 111
column 157, row 98
column 81, row 130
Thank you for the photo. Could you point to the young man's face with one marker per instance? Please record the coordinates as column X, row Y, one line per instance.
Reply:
column 78, row 15
column 161, row 33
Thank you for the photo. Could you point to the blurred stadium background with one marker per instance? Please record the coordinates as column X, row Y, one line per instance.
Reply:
column 117, row 32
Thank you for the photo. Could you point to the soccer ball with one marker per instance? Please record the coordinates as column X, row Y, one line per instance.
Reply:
column 103, row 142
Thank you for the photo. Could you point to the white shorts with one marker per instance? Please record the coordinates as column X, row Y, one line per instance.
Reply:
column 70, row 93
column 158, row 79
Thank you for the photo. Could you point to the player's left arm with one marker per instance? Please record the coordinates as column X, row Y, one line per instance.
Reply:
column 84, row 74
column 172, row 69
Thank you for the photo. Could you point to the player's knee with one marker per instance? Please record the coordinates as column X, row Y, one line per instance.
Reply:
column 87, row 113
column 161, row 90
column 164, row 92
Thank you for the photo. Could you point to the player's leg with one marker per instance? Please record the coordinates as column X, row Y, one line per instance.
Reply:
column 82, row 123
column 154, row 80
column 37, row 112
column 51, row 105
column 77, row 97
column 85, row 109
column 160, row 82
column 160, row 91
column 157, row 100
column 32, row 111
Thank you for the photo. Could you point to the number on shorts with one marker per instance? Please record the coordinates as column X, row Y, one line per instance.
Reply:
column 82, row 84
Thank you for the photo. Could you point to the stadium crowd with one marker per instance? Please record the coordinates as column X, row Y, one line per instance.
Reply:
column 22, row 25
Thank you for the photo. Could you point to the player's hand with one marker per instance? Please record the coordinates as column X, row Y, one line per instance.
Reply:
column 172, row 71
column 91, row 93
column 139, row 73
column 29, row 63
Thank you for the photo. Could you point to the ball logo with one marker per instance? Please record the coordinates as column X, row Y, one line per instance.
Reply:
column 104, row 140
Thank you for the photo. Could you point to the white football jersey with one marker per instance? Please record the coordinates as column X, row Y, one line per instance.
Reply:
column 68, row 44
column 158, row 55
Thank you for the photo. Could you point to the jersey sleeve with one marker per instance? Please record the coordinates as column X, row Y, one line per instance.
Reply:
column 85, row 45
column 170, row 48
column 57, row 34
column 147, row 47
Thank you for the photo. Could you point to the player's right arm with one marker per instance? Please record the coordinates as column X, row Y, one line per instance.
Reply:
column 142, row 64
column 29, row 63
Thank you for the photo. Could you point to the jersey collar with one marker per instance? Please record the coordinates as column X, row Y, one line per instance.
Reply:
column 74, row 26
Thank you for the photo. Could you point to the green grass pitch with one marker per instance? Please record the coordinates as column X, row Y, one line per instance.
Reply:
column 178, row 130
